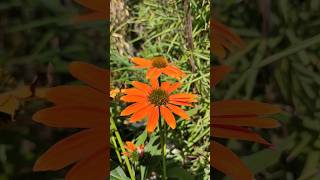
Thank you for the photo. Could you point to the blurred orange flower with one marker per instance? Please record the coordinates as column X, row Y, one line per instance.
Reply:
column 231, row 119
column 133, row 150
column 98, row 10
column 222, row 38
column 78, row 106
column 155, row 100
column 156, row 66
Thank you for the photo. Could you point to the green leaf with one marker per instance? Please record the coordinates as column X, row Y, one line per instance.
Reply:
column 118, row 174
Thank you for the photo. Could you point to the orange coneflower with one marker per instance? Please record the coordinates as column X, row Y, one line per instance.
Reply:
column 155, row 100
column 156, row 66
column 222, row 38
column 79, row 106
column 133, row 151
column 231, row 119
column 98, row 10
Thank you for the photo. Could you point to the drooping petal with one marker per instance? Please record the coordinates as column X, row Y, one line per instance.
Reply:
column 243, row 107
column 183, row 96
column 153, row 119
column 141, row 62
column 178, row 111
column 70, row 95
column 92, row 16
column 165, row 85
column 71, row 149
column 180, row 103
column 134, row 108
column 218, row 73
column 135, row 92
column 129, row 98
column 156, row 74
column 168, row 117
column 98, row 5
column 246, row 121
column 93, row 167
column 140, row 114
column 71, row 116
column 238, row 134
column 154, row 83
column 150, row 72
column 94, row 76
column 227, row 162
column 173, row 87
column 142, row 86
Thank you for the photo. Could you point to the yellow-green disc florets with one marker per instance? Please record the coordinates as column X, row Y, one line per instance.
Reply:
column 159, row 97
column 159, row 62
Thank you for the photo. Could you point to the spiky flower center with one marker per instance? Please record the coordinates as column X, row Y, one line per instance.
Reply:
column 158, row 97
column 159, row 62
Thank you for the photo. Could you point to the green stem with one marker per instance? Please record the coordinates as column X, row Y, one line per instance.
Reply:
column 113, row 139
column 163, row 139
column 116, row 132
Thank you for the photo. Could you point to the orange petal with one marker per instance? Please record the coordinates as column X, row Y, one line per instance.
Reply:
column 243, row 107
column 129, row 98
column 165, row 86
column 135, row 91
column 173, row 87
column 150, row 72
column 153, row 119
column 142, row 86
column 218, row 73
column 156, row 74
column 140, row 114
column 92, row 167
column 130, row 146
column 154, row 83
column 134, row 108
column 98, row 5
column 180, row 103
column 238, row 134
column 182, row 96
column 92, row 75
column 71, row 116
column 247, row 122
column 217, row 49
column 141, row 62
column 178, row 111
column 92, row 16
column 76, row 95
column 227, row 162
column 71, row 149
column 168, row 117
column 179, row 73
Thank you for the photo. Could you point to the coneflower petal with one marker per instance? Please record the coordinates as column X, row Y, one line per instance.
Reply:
column 134, row 108
column 168, row 117
column 140, row 114
column 142, row 86
column 141, row 62
column 92, row 167
column 227, row 162
column 178, row 111
column 129, row 98
column 153, row 119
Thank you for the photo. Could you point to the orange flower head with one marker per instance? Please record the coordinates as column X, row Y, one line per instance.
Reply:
column 133, row 151
column 151, row 102
column 158, row 65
